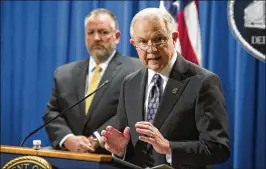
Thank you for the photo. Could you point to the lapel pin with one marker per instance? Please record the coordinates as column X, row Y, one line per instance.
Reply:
column 175, row 90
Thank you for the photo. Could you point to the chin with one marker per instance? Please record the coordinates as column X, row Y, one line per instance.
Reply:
column 99, row 53
column 155, row 68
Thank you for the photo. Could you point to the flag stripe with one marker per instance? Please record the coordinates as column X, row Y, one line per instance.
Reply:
column 193, row 28
column 186, row 48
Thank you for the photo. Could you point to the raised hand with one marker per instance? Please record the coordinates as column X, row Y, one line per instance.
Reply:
column 152, row 136
column 115, row 141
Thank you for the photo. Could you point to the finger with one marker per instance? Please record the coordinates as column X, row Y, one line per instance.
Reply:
column 113, row 133
column 87, row 148
column 126, row 132
column 149, row 130
column 144, row 125
column 103, row 132
column 104, row 138
column 109, row 128
column 114, row 137
column 86, row 141
column 149, row 140
column 83, row 147
column 91, row 150
column 105, row 135
column 145, row 132
column 148, row 126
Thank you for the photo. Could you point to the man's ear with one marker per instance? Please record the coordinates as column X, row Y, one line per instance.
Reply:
column 117, row 36
column 175, row 36
column 132, row 42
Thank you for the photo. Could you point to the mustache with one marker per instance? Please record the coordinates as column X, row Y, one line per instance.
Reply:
column 97, row 44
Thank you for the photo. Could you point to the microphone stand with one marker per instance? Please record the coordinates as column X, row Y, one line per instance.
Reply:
column 23, row 141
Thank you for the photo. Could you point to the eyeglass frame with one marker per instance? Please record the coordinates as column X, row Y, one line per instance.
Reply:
column 152, row 45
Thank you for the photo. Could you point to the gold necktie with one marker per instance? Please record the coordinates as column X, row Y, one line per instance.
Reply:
column 94, row 82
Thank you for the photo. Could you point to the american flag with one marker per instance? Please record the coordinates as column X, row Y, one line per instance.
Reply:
column 186, row 14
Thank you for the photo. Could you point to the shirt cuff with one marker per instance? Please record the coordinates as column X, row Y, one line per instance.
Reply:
column 98, row 136
column 63, row 140
column 124, row 156
column 169, row 159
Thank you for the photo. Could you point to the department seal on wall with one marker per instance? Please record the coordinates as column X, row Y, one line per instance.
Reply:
column 247, row 20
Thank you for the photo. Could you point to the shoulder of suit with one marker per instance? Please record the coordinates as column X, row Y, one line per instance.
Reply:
column 133, row 75
column 128, row 59
column 130, row 63
column 202, row 75
column 69, row 67
column 199, row 72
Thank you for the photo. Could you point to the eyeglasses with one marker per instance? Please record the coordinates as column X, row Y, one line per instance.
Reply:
column 103, row 34
column 156, row 42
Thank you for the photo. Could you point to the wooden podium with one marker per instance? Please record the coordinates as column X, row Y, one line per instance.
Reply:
column 64, row 159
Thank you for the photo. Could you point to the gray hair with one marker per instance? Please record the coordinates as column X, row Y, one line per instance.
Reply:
column 155, row 13
column 101, row 11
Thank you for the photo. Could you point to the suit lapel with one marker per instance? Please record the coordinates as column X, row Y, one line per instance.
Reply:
column 110, row 72
column 138, row 94
column 80, row 74
column 173, row 90
column 136, row 100
column 171, row 94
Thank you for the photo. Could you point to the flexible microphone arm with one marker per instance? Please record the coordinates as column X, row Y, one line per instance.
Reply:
column 105, row 83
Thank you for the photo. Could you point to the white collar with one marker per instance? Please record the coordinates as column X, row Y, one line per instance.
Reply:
column 103, row 65
column 165, row 73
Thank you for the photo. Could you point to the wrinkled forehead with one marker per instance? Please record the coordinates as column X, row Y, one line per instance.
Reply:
column 148, row 28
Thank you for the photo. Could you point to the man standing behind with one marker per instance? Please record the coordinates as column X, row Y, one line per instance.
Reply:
column 76, row 131
column 171, row 112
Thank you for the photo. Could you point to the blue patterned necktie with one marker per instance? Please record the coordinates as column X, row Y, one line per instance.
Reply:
column 154, row 97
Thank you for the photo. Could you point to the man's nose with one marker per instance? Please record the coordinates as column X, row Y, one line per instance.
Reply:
column 151, row 48
column 97, row 36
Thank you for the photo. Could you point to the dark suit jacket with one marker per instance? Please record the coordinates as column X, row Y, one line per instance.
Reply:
column 69, row 87
column 193, row 118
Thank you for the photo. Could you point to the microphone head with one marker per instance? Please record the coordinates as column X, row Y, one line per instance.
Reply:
column 106, row 82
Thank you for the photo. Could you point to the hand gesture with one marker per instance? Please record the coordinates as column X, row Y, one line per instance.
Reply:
column 152, row 136
column 115, row 141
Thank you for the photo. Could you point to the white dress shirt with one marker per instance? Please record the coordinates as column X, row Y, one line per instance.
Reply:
column 92, row 65
column 165, row 73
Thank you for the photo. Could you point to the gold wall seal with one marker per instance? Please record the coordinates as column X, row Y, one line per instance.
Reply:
column 27, row 162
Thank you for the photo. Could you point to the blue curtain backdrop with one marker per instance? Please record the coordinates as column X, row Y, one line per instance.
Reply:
column 37, row 37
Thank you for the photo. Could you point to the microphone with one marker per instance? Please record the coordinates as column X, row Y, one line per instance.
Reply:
column 63, row 112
